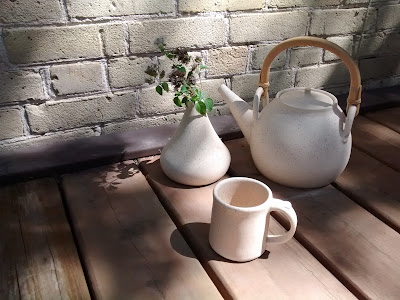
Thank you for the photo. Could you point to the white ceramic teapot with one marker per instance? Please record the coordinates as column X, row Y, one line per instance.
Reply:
column 302, row 138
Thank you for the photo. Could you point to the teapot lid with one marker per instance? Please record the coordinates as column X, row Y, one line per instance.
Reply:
column 307, row 98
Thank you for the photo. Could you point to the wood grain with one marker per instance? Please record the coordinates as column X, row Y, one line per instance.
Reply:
column 387, row 117
column 378, row 141
column 374, row 186
column 353, row 244
column 37, row 251
column 131, row 247
column 283, row 272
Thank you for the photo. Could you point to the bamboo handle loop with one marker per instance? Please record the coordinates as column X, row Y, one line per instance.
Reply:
column 354, row 97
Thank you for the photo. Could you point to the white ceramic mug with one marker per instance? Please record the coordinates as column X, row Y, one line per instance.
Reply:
column 240, row 218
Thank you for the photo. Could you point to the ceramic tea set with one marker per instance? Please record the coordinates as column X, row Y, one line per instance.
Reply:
column 300, row 139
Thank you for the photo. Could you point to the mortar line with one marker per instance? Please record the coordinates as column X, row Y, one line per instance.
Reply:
column 309, row 17
column 363, row 29
column 227, row 21
column 25, row 122
column 3, row 51
column 176, row 8
column 105, row 75
column 64, row 7
column 46, row 80
column 104, row 63
column 127, row 38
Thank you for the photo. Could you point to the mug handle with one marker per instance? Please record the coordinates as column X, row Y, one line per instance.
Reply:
column 287, row 209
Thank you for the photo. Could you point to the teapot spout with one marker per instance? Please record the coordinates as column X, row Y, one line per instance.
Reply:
column 240, row 109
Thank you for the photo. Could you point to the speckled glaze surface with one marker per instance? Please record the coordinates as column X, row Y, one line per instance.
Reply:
column 295, row 143
column 300, row 147
column 195, row 155
column 240, row 219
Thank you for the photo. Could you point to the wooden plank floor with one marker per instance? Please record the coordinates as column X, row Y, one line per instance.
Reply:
column 387, row 117
column 38, row 257
column 284, row 271
column 352, row 243
column 377, row 141
column 131, row 247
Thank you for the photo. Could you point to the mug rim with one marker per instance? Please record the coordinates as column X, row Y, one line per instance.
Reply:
column 259, row 207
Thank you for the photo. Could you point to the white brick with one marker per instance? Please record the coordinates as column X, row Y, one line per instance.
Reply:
column 391, row 44
column 267, row 26
column 305, row 56
column 184, row 32
column 30, row 45
column 357, row 1
column 337, row 21
column 210, row 88
column 303, row 3
column 389, row 17
column 220, row 110
column 323, row 75
column 20, row 86
column 227, row 60
column 221, row 5
column 113, row 39
column 127, row 71
column 261, row 51
column 245, row 85
column 48, row 139
column 100, row 8
column 370, row 44
column 30, row 11
column 380, row 67
column 346, row 42
column 10, row 123
column 60, row 115
column 77, row 78
column 141, row 123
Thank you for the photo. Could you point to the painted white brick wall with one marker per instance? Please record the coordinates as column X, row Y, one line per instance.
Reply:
column 73, row 68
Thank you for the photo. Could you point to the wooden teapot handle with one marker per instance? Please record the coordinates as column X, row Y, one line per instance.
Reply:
column 354, row 97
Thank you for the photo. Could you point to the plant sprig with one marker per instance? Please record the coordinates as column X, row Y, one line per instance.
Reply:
column 183, row 75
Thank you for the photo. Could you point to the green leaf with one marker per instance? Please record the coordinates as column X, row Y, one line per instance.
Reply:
column 181, row 69
column 201, row 107
column 209, row 104
column 184, row 88
column 200, row 94
column 177, row 101
column 159, row 89
column 185, row 100
column 165, row 86
column 162, row 74
column 202, row 67
column 169, row 55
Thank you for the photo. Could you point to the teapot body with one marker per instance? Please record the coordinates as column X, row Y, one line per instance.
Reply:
column 300, row 146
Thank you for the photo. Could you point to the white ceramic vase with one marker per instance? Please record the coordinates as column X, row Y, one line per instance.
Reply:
column 195, row 155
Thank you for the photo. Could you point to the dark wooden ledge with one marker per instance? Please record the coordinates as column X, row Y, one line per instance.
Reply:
column 70, row 156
